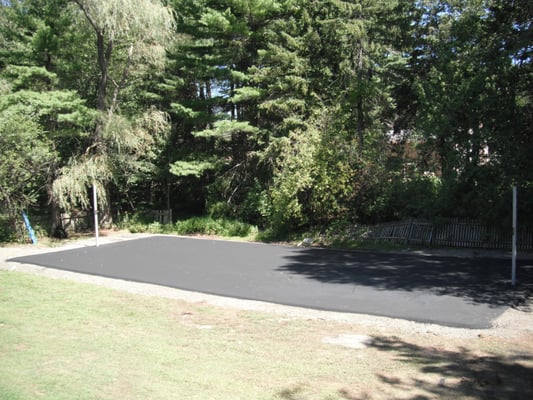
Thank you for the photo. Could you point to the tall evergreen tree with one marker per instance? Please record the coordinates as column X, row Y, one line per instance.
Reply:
column 35, row 91
column 217, row 115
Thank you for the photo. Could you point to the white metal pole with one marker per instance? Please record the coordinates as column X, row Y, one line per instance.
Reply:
column 513, row 275
column 95, row 201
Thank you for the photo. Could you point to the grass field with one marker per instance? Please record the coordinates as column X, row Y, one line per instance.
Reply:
column 67, row 340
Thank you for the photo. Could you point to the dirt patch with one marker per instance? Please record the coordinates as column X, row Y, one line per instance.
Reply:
column 350, row 341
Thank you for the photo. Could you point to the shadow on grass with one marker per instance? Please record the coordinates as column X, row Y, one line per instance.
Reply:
column 480, row 280
column 460, row 373
column 443, row 374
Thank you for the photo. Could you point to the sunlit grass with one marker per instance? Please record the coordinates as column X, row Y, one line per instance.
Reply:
column 63, row 340
column 66, row 340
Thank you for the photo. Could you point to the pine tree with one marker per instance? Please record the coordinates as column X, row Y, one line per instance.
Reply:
column 216, row 112
column 36, row 118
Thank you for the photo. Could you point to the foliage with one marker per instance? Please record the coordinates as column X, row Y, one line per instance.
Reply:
column 471, row 101
column 27, row 108
column 135, row 33
column 292, row 178
column 217, row 226
column 7, row 233
column 194, row 168
column 288, row 114
column 26, row 156
column 206, row 225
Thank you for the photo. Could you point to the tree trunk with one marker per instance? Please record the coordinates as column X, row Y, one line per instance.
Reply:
column 55, row 213
column 105, row 217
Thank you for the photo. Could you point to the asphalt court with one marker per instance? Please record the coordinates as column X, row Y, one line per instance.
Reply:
column 450, row 291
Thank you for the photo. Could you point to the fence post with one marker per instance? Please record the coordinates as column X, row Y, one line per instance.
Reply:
column 430, row 238
column 410, row 233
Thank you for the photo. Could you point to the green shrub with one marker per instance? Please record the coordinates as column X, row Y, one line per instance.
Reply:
column 203, row 225
column 6, row 232
column 214, row 226
column 197, row 225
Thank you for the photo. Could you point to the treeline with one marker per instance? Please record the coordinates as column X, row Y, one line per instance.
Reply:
column 282, row 113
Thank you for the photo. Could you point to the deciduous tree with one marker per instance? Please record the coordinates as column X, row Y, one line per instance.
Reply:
column 129, row 35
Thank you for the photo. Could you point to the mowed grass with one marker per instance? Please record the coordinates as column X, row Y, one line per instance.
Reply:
column 67, row 340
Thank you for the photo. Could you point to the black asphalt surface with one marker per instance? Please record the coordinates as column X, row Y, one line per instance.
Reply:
column 450, row 291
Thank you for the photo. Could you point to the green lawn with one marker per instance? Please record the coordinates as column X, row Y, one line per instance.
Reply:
column 66, row 340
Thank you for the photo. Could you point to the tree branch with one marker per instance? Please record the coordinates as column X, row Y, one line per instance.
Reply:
column 88, row 16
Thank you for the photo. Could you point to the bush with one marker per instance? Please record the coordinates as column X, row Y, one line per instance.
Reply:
column 6, row 232
column 203, row 225
column 198, row 225
column 214, row 226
